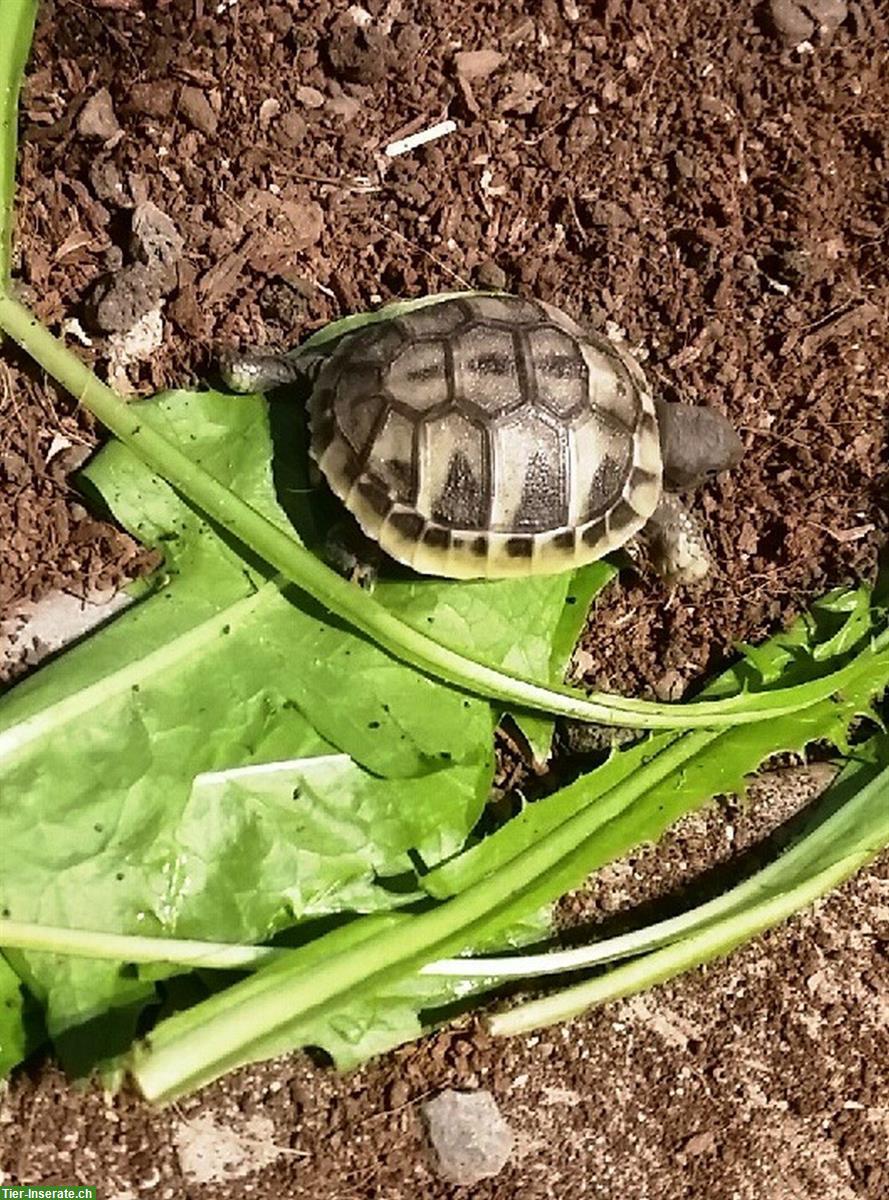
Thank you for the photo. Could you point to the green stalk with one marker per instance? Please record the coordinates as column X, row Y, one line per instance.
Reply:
column 129, row 948
column 714, row 941
column 858, row 830
column 182, row 952
column 851, row 827
column 283, row 551
column 17, row 19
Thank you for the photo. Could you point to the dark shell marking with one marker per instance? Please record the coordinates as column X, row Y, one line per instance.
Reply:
column 485, row 435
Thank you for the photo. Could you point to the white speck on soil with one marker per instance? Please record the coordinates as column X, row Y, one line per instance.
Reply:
column 210, row 1152
column 134, row 345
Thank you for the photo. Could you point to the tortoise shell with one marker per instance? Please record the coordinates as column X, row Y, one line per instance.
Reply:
column 486, row 435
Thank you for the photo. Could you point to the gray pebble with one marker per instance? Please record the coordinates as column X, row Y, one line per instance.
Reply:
column 119, row 302
column 96, row 119
column 197, row 110
column 797, row 21
column 489, row 275
column 829, row 14
column 155, row 240
column 470, row 1136
column 289, row 130
column 106, row 183
column 790, row 22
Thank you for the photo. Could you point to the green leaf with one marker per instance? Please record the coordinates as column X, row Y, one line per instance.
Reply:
column 354, row 1007
column 630, row 800
column 217, row 672
column 313, row 835
column 98, row 749
column 13, row 1036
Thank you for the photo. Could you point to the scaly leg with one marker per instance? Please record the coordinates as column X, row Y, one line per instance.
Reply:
column 676, row 542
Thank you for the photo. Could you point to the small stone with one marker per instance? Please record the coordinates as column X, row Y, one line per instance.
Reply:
column 155, row 239
column 477, row 64
column 310, row 97
column 198, row 111
column 489, row 275
column 280, row 20
column 360, row 16
column 670, row 686
column 790, row 22
column 700, row 1143
column 112, row 259
column 829, row 14
column 357, row 53
column 211, row 1151
column 268, row 110
column 155, row 98
column 289, row 130
column 96, row 118
column 120, row 302
column 106, row 182
column 470, row 1136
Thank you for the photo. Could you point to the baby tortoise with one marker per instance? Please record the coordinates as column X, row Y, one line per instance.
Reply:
column 488, row 435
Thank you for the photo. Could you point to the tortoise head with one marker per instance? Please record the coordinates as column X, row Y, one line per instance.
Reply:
column 696, row 443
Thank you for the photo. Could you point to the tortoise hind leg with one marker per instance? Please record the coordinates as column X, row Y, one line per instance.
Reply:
column 352, row 554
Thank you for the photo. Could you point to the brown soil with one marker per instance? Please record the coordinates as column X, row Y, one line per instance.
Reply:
column 675, row 172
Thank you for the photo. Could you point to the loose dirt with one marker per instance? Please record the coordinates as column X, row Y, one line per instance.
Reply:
column 709, row 180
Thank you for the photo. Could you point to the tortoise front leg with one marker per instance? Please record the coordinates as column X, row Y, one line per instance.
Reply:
column 676, row 544
column 262, row 372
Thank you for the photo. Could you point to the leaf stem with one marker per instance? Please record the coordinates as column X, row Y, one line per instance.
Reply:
column 129, row 948
column 713, row 941
column 17, row 28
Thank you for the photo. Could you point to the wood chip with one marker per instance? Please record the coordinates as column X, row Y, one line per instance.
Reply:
column 220, row 280
column 75, row 241
column 477, row 64
column 851, row 535
column 840, row 326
